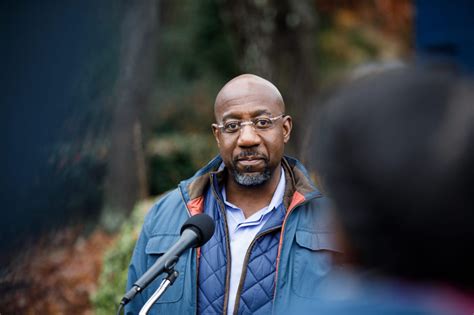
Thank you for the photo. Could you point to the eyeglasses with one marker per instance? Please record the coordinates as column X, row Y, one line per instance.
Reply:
column 258, row 123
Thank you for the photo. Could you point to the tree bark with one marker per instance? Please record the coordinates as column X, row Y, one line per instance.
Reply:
column 277, row 40
column 125, row 181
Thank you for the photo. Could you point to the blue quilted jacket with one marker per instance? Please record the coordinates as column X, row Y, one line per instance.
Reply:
column 287, row 262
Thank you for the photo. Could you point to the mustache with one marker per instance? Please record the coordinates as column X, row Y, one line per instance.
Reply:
column 255, row 154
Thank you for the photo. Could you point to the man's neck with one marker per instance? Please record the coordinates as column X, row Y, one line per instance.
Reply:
column 252, row 198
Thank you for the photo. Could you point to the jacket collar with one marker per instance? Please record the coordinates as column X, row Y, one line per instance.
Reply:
column 299, row 186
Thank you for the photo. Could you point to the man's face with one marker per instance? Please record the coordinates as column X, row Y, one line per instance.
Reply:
column 250, row 154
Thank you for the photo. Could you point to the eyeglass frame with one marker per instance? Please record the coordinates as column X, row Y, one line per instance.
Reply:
column 249, row 122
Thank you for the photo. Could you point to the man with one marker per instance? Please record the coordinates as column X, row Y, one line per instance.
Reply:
column 272, row 240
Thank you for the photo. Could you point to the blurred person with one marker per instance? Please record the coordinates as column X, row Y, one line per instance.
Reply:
column 266, row 250
column 395, row 152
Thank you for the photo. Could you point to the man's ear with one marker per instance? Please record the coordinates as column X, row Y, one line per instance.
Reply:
column 216, row 132
column 287, row 126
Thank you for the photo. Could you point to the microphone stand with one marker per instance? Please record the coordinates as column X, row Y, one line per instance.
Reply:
column 165, row 284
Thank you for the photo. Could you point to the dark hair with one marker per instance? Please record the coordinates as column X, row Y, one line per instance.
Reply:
column 395, row 153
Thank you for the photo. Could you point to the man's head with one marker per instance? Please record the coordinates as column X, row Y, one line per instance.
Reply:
column 251, row 128
column 396, row 154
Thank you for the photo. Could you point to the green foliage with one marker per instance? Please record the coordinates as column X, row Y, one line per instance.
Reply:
column 194, row 44
column 195, row 59
column 113, row 278
column 174, row 157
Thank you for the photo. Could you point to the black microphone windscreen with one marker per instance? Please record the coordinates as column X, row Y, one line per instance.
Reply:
column 203, row 225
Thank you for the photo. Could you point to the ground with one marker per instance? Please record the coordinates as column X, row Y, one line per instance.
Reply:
column 56, row 274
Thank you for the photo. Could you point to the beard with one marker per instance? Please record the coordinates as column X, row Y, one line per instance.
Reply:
column 247, row 177
column 251, row 180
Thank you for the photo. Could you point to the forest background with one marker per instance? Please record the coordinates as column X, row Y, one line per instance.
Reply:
column 108, row 104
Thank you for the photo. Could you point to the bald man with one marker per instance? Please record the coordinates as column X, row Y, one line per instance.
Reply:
column 273, row 240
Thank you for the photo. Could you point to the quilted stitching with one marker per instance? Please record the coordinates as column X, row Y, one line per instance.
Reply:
column 212, row 265
column 258, row 288
column 212, row 280
column 257, row 293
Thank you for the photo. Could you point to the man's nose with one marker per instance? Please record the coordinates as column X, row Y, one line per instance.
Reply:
column 248, row 137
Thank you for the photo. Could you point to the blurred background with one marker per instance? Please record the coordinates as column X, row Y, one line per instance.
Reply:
column 107, row 104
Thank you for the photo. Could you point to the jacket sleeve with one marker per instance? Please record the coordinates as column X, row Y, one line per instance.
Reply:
column 137, row 267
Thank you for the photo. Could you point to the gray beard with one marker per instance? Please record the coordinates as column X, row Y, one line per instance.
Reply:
column 251, row 180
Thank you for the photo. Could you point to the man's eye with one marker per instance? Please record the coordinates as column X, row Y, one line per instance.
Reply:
column 231, row 126
column 263, row 123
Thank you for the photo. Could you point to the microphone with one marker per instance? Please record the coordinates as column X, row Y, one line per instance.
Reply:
column 195, row 232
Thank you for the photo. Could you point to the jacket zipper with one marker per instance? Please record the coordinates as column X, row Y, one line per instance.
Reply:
column 227, row 245
column 244, row 268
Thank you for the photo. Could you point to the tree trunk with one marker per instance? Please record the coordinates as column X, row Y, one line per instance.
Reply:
column 276, row 40
column 126, row 181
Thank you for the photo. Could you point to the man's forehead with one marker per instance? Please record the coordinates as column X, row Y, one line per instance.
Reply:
column 248, row 90
column 245, row 111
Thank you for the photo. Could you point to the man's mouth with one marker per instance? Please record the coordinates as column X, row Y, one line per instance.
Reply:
column 250, row 158
column 249, row 162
